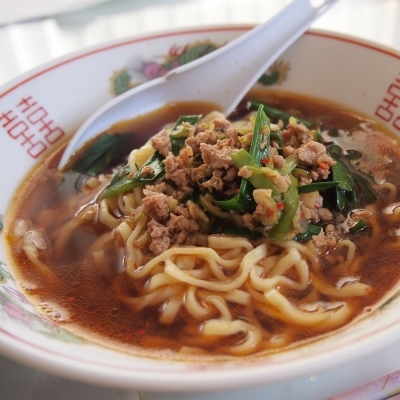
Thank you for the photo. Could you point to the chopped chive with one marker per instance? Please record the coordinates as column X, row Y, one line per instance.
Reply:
column 102, row 153
column 318, row 186
column 312, row 230
column 358, row 227
column 290, row 205
column 290, row 164
column 277, row 114
column 259, row 149
column 124, row 181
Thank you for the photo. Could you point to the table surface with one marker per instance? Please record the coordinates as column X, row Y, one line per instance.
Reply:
column 26, row 44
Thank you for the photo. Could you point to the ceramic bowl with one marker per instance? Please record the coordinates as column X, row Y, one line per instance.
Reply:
column 42, row 108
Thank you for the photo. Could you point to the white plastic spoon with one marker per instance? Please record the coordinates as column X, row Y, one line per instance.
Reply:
column 222, row 77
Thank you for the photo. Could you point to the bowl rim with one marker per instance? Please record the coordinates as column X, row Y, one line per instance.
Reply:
column 250, row 375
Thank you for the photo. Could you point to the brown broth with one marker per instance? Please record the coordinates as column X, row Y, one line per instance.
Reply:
column 82, row 299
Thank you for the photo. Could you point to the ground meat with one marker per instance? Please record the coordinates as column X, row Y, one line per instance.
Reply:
column 161, row 142
column 189, row 129
column 158, row 188
column 257, row 218
column 231, row 174
column 296, row 134
column 244, row 172
column 207, row 136
column 249, row 221
column 217, row 156
column 325, row 214
column 178, row 169
column 306, row 212
column 180, row 227
column 157, row 206
column 223, row 180
column 314, row 175
column 178, row 194
column 288, row 151
column 159, row 235
column 221, row 124
column 303, row 180
column 205, row 164
column 323, row 173
column 325, row 241
column 177, row 228
column 216, row 181
column 182, row 209
column 278, row 161
column 327, row 160
column 309, row 152
column 311, row 206
column 147, row 170
column 282, row 183
column 232, row 135
column 200, row 174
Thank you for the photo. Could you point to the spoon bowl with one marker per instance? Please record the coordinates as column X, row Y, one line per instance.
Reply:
column 224, row 75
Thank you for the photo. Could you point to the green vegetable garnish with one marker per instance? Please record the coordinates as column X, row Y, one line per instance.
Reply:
column 102, row 153
column 275, row 114
column 290, row 205
column 259, row 150
column 312, row 230
column 354, row 190
column 317, row 186
column 359, row 226
column 179, row 134
column 124, row 180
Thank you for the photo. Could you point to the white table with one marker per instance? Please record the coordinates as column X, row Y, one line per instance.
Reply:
column 27, row 44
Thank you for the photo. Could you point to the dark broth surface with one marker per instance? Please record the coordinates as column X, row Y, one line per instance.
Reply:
column 82, row 300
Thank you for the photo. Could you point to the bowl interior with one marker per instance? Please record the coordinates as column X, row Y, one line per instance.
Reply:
column 41, row 109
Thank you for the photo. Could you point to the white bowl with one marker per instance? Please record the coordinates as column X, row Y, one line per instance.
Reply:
column 43, row 107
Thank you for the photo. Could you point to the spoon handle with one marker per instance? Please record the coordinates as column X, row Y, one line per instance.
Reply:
column 235, row 68
column 222, row 77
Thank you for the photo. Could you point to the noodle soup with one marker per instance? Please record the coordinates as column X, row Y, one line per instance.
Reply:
column 220, row 237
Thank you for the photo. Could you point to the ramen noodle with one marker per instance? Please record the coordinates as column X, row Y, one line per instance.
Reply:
column 219, row 237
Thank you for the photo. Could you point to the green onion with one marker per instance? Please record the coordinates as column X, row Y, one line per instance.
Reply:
column 259, row 149
column 358, row 227
column 312, row 230
column 177, row 141
column 301, row 172
column 276, row 136
column 128, row 182
column 354, row 190
column 318, row 186
column 210, row 207
column 353, row 155
column 352, row 197
column 124, row 181
column 368, row 195
column 235, row 204
column 120, row 174
column 290, row 164
column 290, row 206
column 102, row 153
column 259, row 180
column 340, row 174
column 345, row 190
column 277, row 114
